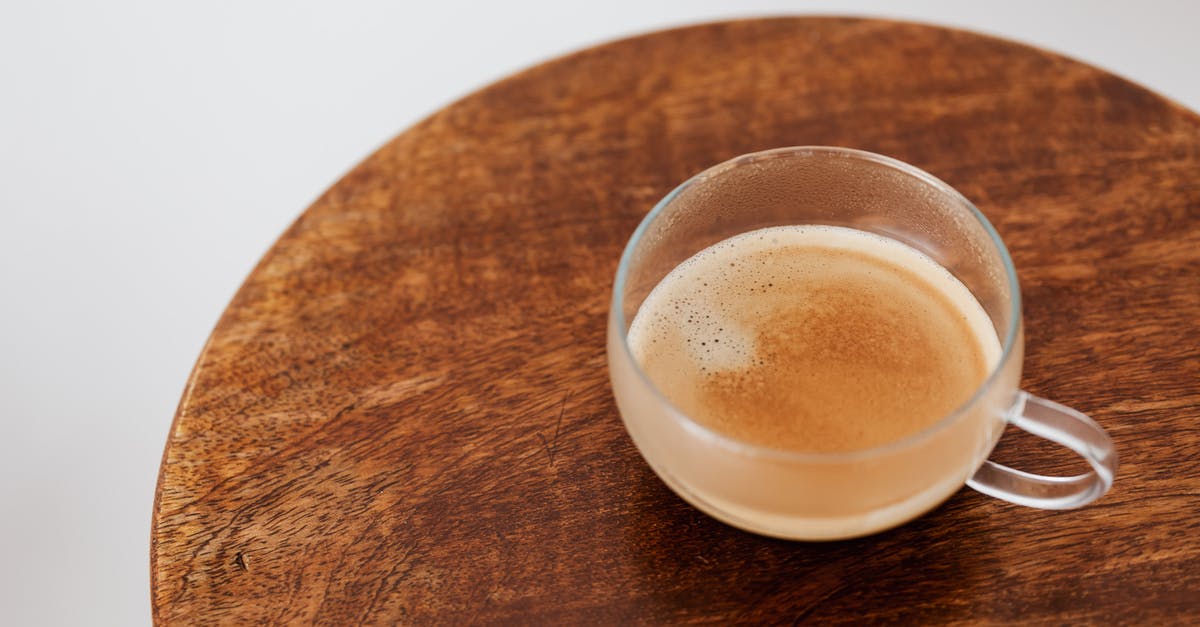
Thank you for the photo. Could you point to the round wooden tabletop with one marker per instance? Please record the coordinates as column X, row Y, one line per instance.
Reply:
column 404, row 414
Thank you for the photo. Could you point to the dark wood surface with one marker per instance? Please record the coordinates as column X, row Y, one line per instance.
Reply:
column 404, row 414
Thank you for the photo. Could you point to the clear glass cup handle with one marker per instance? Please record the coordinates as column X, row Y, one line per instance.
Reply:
column 1065, row 426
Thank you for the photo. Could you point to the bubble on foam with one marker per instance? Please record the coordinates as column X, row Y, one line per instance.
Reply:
column 714, row 341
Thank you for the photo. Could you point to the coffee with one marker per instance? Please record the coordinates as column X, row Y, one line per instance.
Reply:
column 813, row 339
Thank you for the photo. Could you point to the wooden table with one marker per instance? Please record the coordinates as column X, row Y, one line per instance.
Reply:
column 404, row 415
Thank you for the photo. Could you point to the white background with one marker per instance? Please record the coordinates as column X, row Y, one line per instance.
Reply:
column 151, row 151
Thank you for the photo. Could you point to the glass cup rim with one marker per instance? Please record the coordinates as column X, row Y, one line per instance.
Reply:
column 617, row 314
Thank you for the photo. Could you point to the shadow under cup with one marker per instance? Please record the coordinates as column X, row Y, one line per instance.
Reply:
column 817, row 496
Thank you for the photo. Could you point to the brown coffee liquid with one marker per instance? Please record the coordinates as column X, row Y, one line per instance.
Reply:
column 813, row 339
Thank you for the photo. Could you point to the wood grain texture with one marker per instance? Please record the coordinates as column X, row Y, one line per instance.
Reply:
column 404, row 414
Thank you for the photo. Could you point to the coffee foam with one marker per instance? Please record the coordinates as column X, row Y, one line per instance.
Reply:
column 813, row 338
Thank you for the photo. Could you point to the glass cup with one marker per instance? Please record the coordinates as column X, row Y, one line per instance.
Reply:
column 828, row 496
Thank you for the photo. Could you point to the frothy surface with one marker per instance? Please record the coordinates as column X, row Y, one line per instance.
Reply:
column 813, row 338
